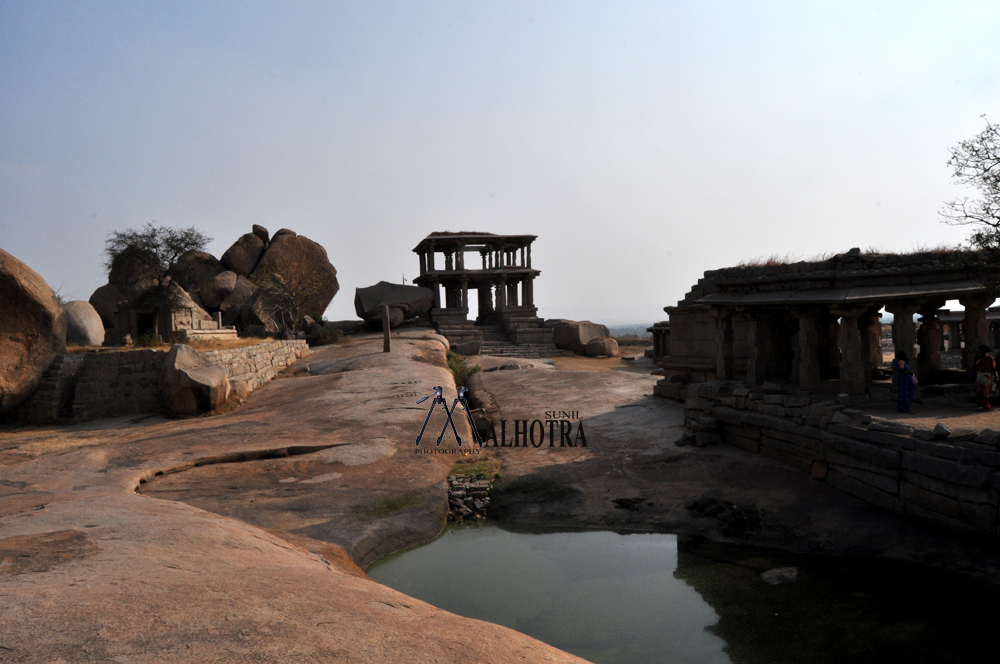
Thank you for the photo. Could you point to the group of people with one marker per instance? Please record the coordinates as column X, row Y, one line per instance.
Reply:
column 987, row 379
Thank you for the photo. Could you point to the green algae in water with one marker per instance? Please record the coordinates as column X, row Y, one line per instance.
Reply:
column 644, row 598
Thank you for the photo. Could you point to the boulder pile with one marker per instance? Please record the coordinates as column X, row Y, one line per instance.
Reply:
column 583, row 337
column 261, row 282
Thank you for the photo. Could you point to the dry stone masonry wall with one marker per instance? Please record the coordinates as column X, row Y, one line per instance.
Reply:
column 94, row 386
column 944, row 477
column 250, row 367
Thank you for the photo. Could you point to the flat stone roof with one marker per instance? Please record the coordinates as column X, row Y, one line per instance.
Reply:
column 948, row 290
column 443, row 240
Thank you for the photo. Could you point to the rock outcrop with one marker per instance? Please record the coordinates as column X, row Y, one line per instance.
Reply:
column 32, row 330
column 575, row 335
column 83, row 324
column 605, row 346
column 304, row 268
column 404, row 302
column 189, row 384
column 242, row 257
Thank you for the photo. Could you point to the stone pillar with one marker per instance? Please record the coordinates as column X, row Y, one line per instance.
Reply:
column 808, row 351
column 423, row 263
column 436, row 287
column 870, row 327
column 449, row 262
column 723, row 342
column 430, row 257
column 529, row 256
column 485, row 300
column 460, row 258
column 904, row 330
column 930, row 338
column 502, row 295
column 465, row 293
column 852, row 363
column 974, row 325
column 756, row 342
column 482, row 254
column 529, row 300
column 512, row 294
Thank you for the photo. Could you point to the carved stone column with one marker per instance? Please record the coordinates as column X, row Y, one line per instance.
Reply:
column 930, row 339
column 723, row 342
column 904, row 330
column 502, row 295
column 465, row 294
column 852, row 363
column 974, row 325
column 870, row 325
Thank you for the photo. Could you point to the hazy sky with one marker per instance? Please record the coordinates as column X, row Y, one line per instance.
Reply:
column 643, row 142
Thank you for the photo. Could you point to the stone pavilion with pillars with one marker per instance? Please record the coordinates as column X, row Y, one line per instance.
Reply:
column 503, row 281
column 811, row 322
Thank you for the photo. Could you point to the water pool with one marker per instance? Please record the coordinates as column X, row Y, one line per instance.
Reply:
column 650, row 597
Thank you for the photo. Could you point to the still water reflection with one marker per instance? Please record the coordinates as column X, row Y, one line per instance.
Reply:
column 611, row 597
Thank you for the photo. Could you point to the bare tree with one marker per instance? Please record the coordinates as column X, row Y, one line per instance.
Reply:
column 286, row 297
column 153, row 252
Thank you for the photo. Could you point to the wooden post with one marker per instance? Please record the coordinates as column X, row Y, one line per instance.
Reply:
column 386, row 343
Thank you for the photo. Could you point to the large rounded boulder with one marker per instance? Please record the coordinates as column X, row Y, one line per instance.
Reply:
column 305, row 271
column 105, row 302
column 83, row 324
column 575, row 335
column 404, row 302
column 243, row 256
column 189, row 384
column 32, row 331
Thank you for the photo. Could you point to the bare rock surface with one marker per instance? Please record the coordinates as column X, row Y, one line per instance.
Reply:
column 189, row 384
column 243, row 255
column 32, row 331
column 83, row 324
column 247, row 546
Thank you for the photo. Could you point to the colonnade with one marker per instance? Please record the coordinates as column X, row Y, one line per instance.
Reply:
column 804, row 342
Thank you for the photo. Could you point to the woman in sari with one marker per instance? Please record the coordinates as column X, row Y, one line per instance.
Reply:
column 985, row 377
column 904, row 383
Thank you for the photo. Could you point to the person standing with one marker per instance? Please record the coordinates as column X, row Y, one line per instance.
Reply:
column 985, row 377
column 904, row 383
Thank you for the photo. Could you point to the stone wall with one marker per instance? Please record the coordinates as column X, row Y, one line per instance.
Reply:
column 99, row 385
column 251, row 366
column 117, row 384
column 940, row 476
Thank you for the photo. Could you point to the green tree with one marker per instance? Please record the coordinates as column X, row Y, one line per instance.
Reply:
column 148, row 261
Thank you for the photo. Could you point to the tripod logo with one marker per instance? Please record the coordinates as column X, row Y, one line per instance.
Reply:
column 439, row 399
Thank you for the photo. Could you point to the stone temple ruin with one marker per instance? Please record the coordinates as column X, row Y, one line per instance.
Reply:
column 809, row 322
column 504, row 285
